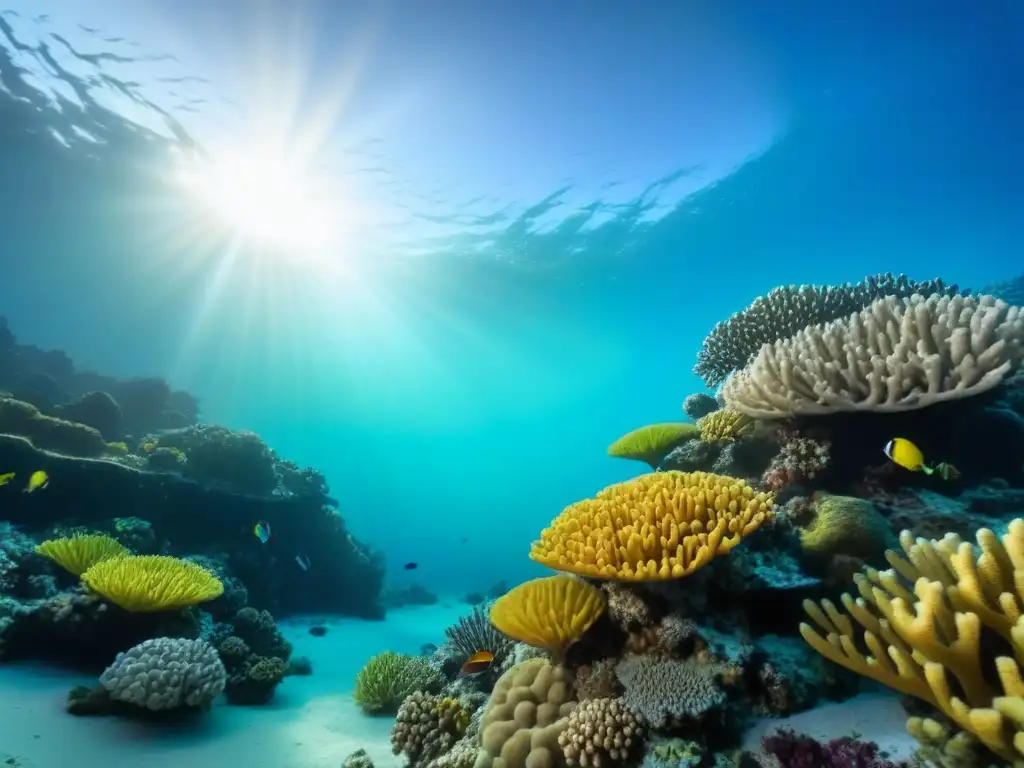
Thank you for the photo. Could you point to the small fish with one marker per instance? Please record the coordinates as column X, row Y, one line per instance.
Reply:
column 37, row 481
column 476, row 663
column 411, row 566
column 6, row 477
column 262, row 531
column 303, row 562
column 907, row 455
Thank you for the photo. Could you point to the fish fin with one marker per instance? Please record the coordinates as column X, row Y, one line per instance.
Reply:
column 927, row 470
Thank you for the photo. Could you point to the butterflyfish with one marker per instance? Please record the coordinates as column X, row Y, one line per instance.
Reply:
column 37, row 481
column 907, row 455
column 6, row 477
column 477, row 663
column 262, row 531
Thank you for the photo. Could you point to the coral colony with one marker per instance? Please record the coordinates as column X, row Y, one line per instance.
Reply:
column 839, row 513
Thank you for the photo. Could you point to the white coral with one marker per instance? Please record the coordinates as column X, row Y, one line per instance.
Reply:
column 166, row 673
column 895, row 355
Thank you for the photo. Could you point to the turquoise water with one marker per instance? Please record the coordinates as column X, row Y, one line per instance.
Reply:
column 540, row 215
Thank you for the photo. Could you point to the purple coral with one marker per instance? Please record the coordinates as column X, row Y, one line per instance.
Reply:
column 798, row 750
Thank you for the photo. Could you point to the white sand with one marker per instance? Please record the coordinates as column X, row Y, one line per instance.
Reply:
column 312, row 722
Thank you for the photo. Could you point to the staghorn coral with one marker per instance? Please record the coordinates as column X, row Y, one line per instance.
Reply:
column 166, row 673
column 788, row 309
column 665, row 691
column 601, row 732
column 658, row 526
column 149, row 583
column 917, row 637
column 942, row 748
column 724, row 426
column 474, row 633
column 387, row 678
column 551, row 612
column 427, row 727
column 77, row 554
column 526, row 713
column 895, row 355
column 652, row 443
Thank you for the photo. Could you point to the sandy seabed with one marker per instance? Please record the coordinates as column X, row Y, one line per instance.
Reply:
column 312, row 722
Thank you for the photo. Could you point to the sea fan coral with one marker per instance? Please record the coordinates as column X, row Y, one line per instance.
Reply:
column 77, row 554
column 474, row 633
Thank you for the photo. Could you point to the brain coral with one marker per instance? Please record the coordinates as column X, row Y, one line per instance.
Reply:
column 845, row 525
column 166, row 673
column 895, row 355
column 657, row 526
column 527, row 711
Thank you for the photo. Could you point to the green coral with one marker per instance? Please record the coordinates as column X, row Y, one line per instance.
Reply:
column 653, row 442
column 845, row 526
column 387, row 678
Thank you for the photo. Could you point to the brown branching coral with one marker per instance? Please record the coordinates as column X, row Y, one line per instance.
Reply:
column 922, row 626
column 659, row 526
column 601, row 732
column 788, row 309
column 426, row 727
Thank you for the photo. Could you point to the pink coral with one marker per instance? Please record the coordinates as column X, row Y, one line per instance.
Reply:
column 799, row 460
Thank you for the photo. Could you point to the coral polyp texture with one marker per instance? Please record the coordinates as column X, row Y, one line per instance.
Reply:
column 602, row 733
column 895, row 355
column 724, row 426
column 387, row 678
column 785, row 310
column 659, row 526
column 922, row 624
column 550, row 613
column 150, row 583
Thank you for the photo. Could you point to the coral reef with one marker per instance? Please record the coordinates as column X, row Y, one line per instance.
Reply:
column 387, row 678
column 166, row 673
column 652, row 443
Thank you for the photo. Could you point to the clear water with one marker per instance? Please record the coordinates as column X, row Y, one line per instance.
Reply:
column 538, row 213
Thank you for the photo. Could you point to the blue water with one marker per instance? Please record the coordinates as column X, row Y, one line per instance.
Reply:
column 545, row 207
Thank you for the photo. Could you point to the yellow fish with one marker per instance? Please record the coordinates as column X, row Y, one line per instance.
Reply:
column 37, row 481
column 6, row 477
column 907, row 455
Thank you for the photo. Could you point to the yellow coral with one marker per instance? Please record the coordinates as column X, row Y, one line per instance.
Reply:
column 724, row 426
column 658, row 526
column 916, row 637
column 150, row 583
column 76, row 554
column 653, row 442
column 551, row 612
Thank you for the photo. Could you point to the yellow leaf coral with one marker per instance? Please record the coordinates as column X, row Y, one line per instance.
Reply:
column 77, row 554
column 917, row 636
column 551, row 612
column 657, row 526
column 724, row 426
column 652, row 443
column 151, row 583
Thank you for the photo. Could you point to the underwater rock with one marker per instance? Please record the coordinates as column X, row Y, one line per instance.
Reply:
column 196, row 518
column 414, row 594
column 97, row 410
column 699, row 404
column 318, row 630
column 358, row 759
column 692, row 456
column 299, row 666
column 48, row 433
